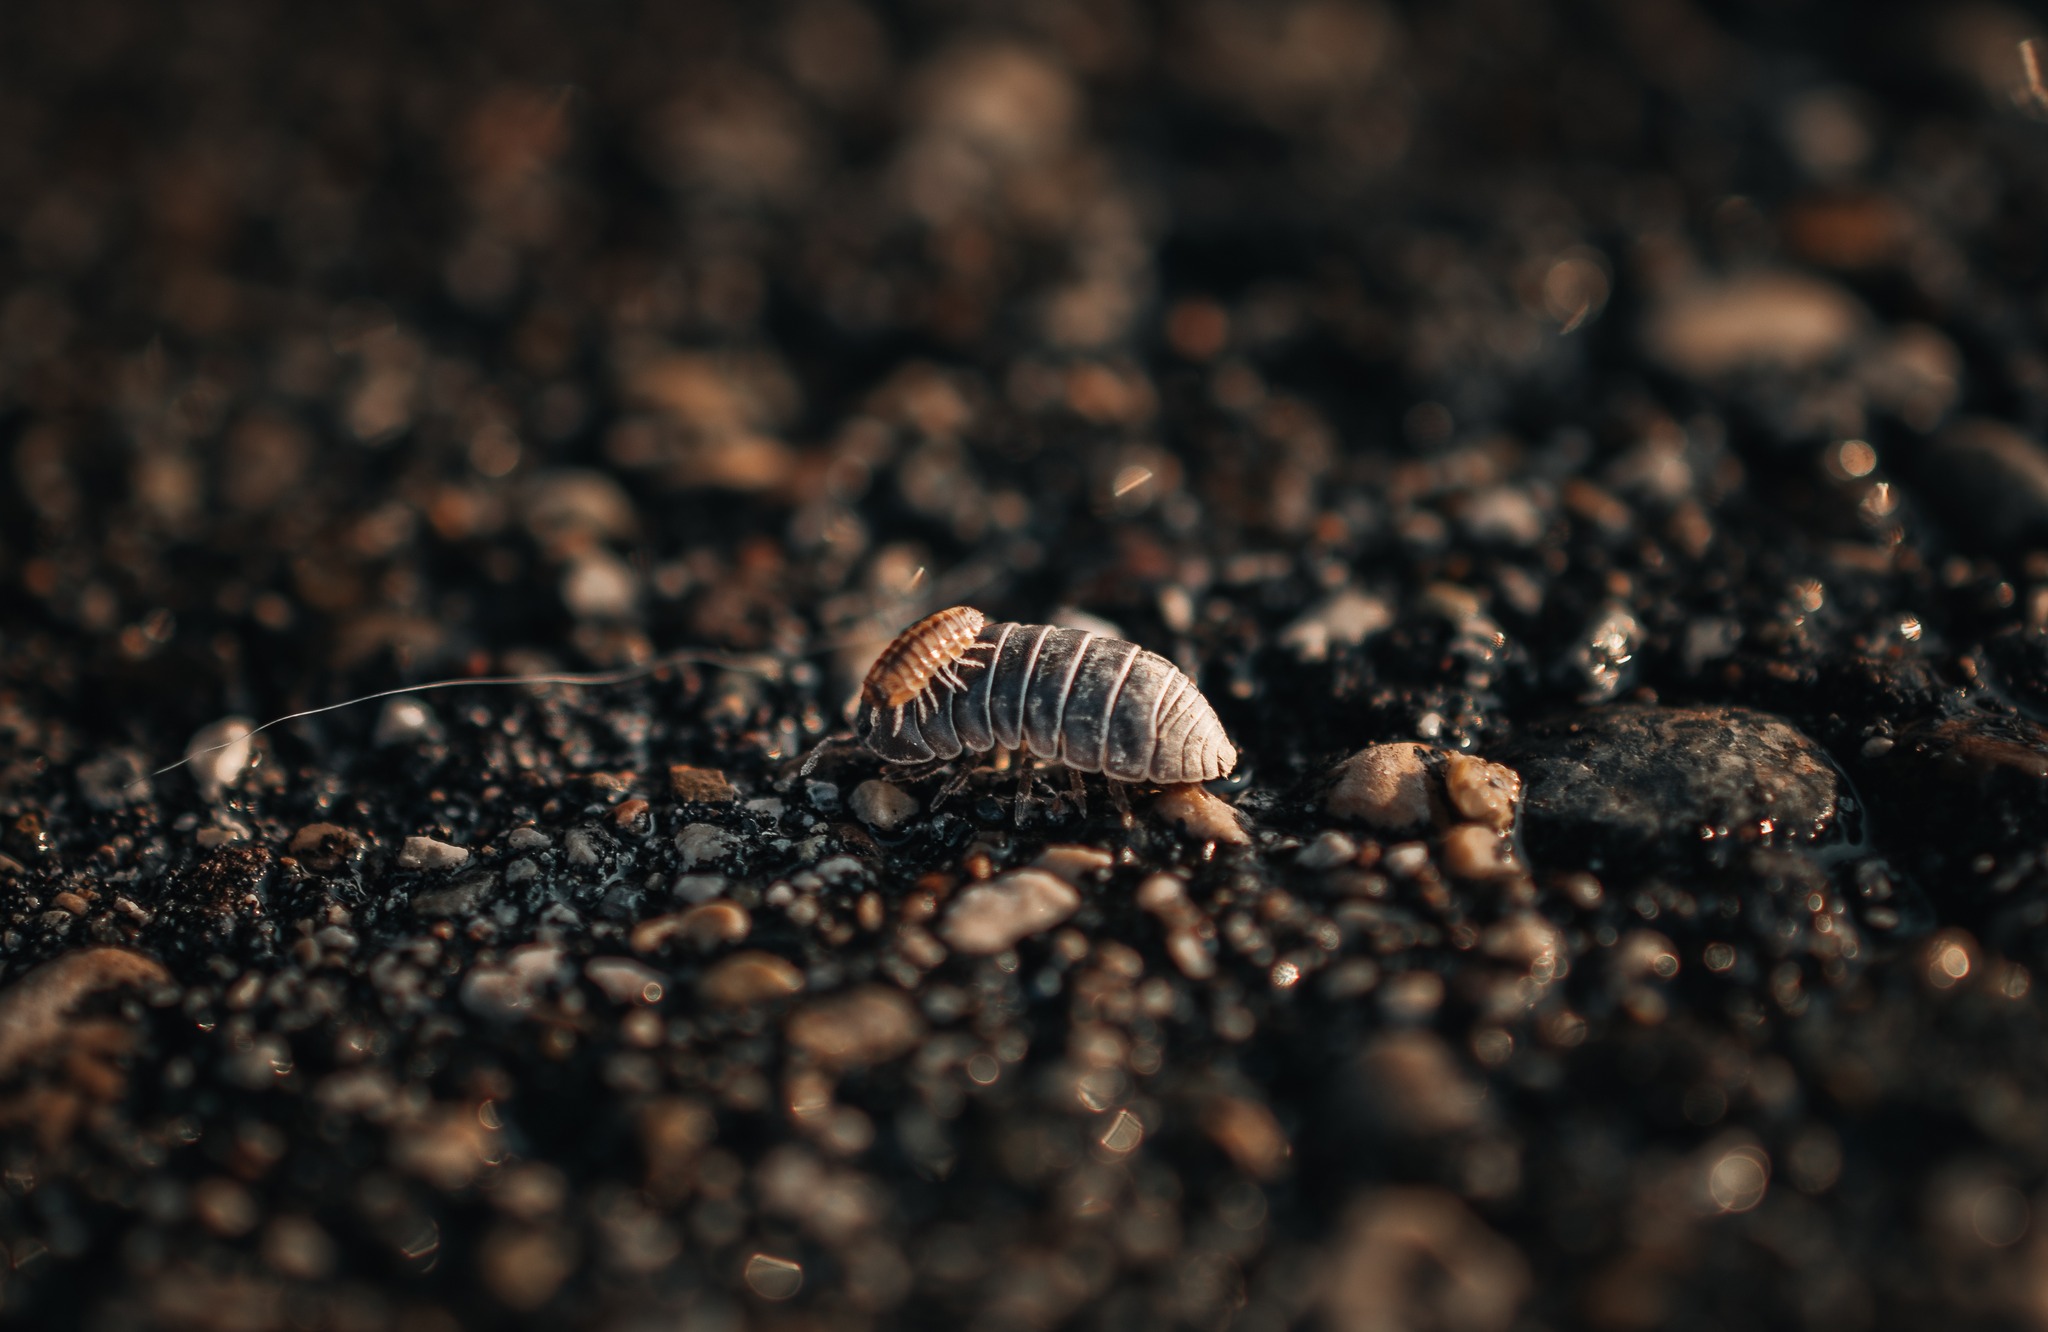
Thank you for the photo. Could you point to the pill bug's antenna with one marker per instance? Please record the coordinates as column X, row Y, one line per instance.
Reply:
column 972, row 576
column 726, row 660
column 2032, row 94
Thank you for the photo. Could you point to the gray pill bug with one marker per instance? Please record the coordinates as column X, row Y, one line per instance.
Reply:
column 954, row 683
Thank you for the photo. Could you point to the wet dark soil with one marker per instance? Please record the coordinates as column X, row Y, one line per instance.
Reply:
column 1611, row 431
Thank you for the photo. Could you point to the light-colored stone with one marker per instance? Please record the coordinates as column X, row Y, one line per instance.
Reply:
column 528, row 839
column 883, row 806
column 625, row 981
column 870, row 1025
column 600, row 586
column 424, row 853
column 1387, row 786
column 1475, row 851
column 459, row 898
column 1327, row 851
column 1345, row 618
column 1075, row 864
column 218, row 753
column 749, row 978
column 1203, row 816
column 1774, row 320
column 1528, row 940
column 510, row 988
column 1162, row 893
column 996, row 915
column 706, row 926
column 1483, row 792
column 1412, row 1257
column 703, row 844
column 405, row 721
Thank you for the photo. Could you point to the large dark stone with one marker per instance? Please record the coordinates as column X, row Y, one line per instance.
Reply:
column 1643, row 783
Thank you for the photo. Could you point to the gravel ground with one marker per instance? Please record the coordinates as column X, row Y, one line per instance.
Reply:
column 1589, row 453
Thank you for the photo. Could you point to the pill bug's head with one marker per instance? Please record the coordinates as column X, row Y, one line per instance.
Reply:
column 914, row 659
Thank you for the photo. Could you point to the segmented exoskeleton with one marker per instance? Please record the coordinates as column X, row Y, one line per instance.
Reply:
column 953, row 683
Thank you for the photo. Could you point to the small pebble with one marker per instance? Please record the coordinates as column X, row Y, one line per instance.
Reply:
column 1773, row 320
column 750, row 978
column 625, row 981
column 882, row 805
column 1249, row 1135
column 324, row 847
column 698, row 887
column 459, row 898
column 700, row 786
column 1327, row 851
column 998, row 914
column 405, row 721
column 1162, row 893
column 703, row 844
column 1346, row 618
column 511, row 988
column 870, row 1025
column 1387, row 786
column 1203, row 816
column 584, row 847
column 528, row 839
column 707, row 926
column 1483, row 792
column 424, row 853
column 218, row 753
column 1475, row 851
column 115, row 780
column 1075, row 864
column 600, row 586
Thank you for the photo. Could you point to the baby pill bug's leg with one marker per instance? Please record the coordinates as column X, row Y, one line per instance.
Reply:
column 1120, row 798
column 1077, row 785
column 1023, row 788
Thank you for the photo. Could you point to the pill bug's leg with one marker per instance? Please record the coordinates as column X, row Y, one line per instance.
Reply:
column 952, row 788
column 1120, row 798
column 1023, row 788
column 1077, row 785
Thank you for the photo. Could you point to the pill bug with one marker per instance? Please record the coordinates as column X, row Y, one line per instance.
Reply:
column 954, row 683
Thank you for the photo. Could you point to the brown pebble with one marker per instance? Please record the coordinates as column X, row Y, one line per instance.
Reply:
column 1190, row 953
column 700, row 786
column 870, row 1025
column 296, row 1246
column 1075, row 864
column 1418, row 1088
column 632, row 817
column 1200, row 814
column 1417, row 1257
column 750, row 978
column 1002, row 912
column 1248, row 1134
column 33, row 1009
column 325, row 847
column 674, row 1131
column 1781, row 320
column 70, row 902
column 1475, row 851
column 705, row 926
column 1483, row 792
column 224, row 1207
column 1386, row 786
column 523, row 1266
